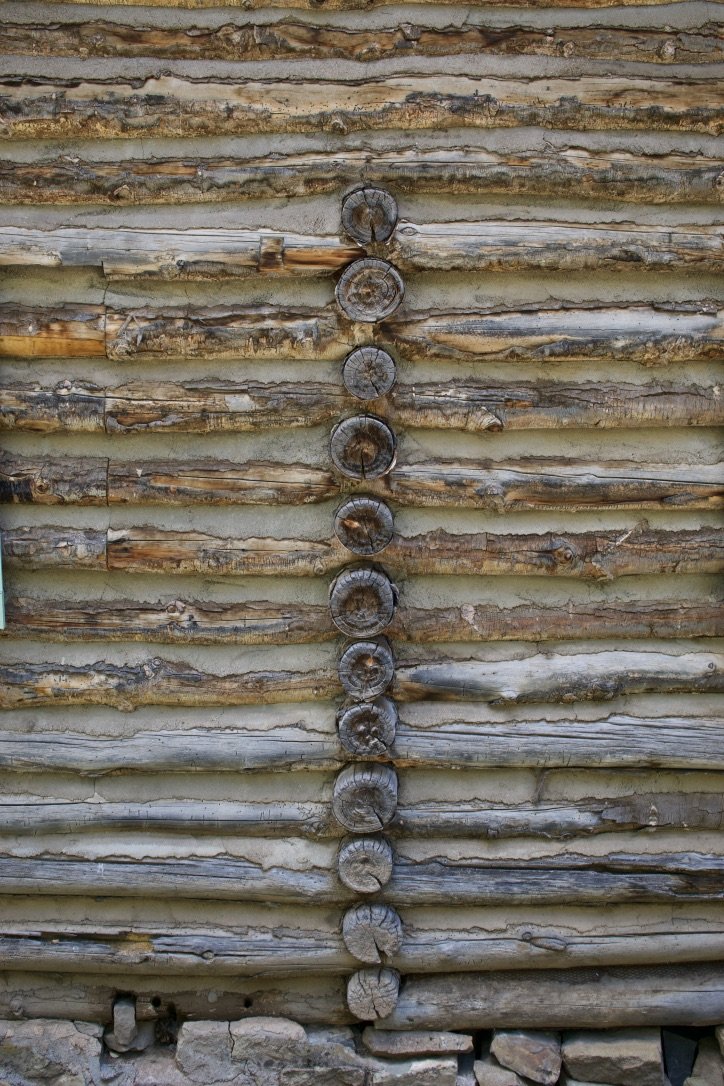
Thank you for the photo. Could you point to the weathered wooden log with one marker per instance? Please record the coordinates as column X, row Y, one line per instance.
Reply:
column 568, row 171
column 369, row 214
column 500, row 245
column 363, row 447
column 373, row 993
column 369, row 290
column 294, row 40
column 368, row 728
column 175, row 621
column 34, row 108
column 211, row 406
column 364, row 864
column 48, row 481
column 371, row 933
column 366, row 668
column 595, row 555
column 362, row 601
column 641, row 333
column 218, row 482
column 365, row 797
column 364, row 525
column 570, row 998
column 334, row 4
column 368, row 373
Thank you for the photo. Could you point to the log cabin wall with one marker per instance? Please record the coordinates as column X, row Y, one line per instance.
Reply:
column 489, row 766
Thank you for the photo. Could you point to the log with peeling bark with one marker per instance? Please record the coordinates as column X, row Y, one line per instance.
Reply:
column 595, row 998
column 595, row 555
column 543, row 678
column 210, row 406
column 640, row 333
column 458, row 743
column 539, row 483
column 293, row 40
column 570, row 171
column 168, row 105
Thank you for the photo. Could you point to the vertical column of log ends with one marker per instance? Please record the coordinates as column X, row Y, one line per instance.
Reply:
column 362, row 601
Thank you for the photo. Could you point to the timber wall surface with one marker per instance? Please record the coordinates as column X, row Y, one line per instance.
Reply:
column 183, row 816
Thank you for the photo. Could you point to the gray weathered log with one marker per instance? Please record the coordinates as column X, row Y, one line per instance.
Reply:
column 369, row 728
column 595, row 998
column 364, row 864
column 368, row 373
column 366, row 668
column 171, row 106
column 364, row 525
column 365, row 797
column 369, row 214
column 372, row 933
column 373, row 993
column 362, row 601
column 369, row 290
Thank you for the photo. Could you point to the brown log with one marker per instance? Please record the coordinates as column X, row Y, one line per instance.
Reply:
column 369, row 728
column 363, row 447
column 175, row 254
column 569, row 171
column 369, row 214
column 368, row 373
column 364, row 864
column 365, row 797
column 51, row 548
column 364, row 525
column 34, row 108
column 372, row 933
column 369, row 290
column 211, row 406
column 174, row 621
column 373, row 993
column 362, row 602
column 45, row 481
column 366, row 668
column 649, row 334
column 217, row 482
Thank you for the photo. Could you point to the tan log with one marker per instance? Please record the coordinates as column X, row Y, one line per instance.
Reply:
column 175, row 107
column 571, row 171
column 294, row 40
column 546, row 678
column 211, row 406
column 650, row 334
column 591, row 555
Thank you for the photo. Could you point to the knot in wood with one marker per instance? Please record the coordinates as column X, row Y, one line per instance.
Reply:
column 363, row 447
column 373, row 993
column 372, row 933
column 364, row 525
column 369, row 290
column 364, row 798
column 365, row 864
column 362, row 602
column 368, row 729
column 369, row 372
column 366, row 668
column 369, row 214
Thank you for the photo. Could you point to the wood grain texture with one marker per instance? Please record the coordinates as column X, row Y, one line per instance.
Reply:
column 172, row 106
column 339, row 4
column 573, row 171
column 211, row 406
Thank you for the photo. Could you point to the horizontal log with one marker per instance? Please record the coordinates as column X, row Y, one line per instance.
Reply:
column 37, row 108
column 592, row 555
column 211, row 406
column 617, row 878
column 125, row 253
column 546, row 819
column 618, row 740
column 492, row 245
column 570, row 171
column 539, row 483
column 263, row 623
column 599, row 999
column 294, row 40
column 640, row 333
column 545, row 678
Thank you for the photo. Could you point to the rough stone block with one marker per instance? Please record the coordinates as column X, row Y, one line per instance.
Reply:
column 535, row 1054
column 615, row 1057
column 203, row 1052
column 269, row 1041
column 488, row 1072
column 719, row 1034
column 707, row 1066
column 322, row 1076
column 41, row 1051
column 413, row 1042
column 425, row 1072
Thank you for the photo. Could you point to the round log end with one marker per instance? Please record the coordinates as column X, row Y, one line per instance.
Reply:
column 363, row 447
column 369, row 290
column 372, row 933
column 366, row 669
column 365, row 864
column 368, row 730
column 364, row 525
column 373, row 993
column 362, row 602
column 369, row 214
column 369, row 373
column 364, row 798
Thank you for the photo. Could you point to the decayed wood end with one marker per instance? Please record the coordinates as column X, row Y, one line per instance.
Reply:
column 292, row 40
column 366, row 668
column 573, row 171
column 172, row 106
column 362, row 602
column 365, row 864
column 365, row 797
column 368, row 728
column 372, row 933
column 373, row 993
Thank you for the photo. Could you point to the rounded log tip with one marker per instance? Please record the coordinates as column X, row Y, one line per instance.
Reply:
column 369, row 214
column 364, row 798
column 369, row 290
column 372, row 933
column 365, row 864
column 368, row 373
column 368, row 730
column 366, row 668
column 364, row 525
column 362, row 602
column 373, row 993
column 363, row 447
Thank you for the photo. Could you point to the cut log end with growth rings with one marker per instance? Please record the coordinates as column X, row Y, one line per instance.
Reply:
column 373, row 993
column 365, row 797
column 363, row 447
column 369, row 214
column 367, row 668
column 365, row 864
column 369, row 372
column 369, row 290
column 364, row 526
column 372, row 933
column 362, row 602
column 368, row 729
